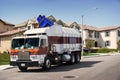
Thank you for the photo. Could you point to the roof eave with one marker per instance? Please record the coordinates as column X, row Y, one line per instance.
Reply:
column 7, row 23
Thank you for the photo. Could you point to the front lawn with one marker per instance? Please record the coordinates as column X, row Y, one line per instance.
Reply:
column 4, row 59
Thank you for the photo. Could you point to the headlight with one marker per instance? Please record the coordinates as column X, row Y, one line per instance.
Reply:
column 34, row 56
column 13, row 57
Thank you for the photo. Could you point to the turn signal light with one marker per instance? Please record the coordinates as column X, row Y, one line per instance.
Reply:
column 13, row 52
column 34, row 51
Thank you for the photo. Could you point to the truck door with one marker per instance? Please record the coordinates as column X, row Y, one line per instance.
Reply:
column 43, row 46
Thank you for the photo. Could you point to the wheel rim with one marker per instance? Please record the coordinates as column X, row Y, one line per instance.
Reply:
column 78, row 58
column 48, row 64
column 73, row 59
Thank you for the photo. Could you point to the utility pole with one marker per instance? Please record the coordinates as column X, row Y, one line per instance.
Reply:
column 82, row 24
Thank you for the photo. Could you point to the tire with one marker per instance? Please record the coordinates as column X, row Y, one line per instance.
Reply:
column 23, row 69
column 77, row 58
column 72, row 60
column 47, row 64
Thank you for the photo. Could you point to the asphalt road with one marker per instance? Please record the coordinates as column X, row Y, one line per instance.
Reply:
column 92, row 68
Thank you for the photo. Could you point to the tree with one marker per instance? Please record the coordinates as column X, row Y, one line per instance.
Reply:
column 89, row 43
column 20, row 33
column 75, row 25
column 51, row 18
column 118, row 45
column 60, row 22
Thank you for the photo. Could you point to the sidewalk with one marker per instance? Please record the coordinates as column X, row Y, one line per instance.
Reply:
column 3, row 67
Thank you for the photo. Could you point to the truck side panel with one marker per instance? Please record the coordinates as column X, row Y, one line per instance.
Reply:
column 64, row 44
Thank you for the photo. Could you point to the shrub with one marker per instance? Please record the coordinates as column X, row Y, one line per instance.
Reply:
column 85, row 53
column 4, row 58
column 89, row 43
column 94, row 50
column 103, row 50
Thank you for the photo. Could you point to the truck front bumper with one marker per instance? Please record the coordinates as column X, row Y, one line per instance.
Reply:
column 25, row 63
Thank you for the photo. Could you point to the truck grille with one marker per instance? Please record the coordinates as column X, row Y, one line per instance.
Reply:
column 23, row 56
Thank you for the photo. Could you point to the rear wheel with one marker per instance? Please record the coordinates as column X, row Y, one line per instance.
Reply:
column 47, row 64
column 77, row 58
column 22, row 68
column 72, row 60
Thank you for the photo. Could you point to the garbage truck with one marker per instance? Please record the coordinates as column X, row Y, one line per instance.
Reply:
column 43, row 47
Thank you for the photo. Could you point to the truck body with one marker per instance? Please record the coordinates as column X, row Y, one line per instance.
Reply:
column 42, row 47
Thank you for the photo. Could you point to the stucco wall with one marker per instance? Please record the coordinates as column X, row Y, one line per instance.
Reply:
column 112, row 38
column 86, row 36
column 5, row 44
column 85, row 33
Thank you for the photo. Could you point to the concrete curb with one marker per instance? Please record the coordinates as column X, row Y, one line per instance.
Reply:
column 99, row 55
column 4, row 67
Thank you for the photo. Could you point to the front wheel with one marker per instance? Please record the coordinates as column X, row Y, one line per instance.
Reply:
column 47, row 64
column 22, row 68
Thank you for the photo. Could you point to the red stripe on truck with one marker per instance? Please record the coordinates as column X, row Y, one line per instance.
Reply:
column 63, row 40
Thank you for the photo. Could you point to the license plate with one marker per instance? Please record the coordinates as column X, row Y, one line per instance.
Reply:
column 22, row 64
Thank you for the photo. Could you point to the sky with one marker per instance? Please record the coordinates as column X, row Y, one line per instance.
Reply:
column 106, row 14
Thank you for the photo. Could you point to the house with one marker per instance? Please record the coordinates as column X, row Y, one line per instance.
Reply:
column 4, row 27
column 109, row 37
column 105, row 37
column 26, row 25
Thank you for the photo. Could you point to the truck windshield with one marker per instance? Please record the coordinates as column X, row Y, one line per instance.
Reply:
column 25, row 43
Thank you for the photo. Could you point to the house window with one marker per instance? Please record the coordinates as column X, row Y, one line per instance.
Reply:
column 107, row 43
column 90, row 34
column 107, row 33
column 119, row 33
column 96, row 34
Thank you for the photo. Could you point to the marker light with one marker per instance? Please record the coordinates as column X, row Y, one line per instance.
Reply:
column 34, row 51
